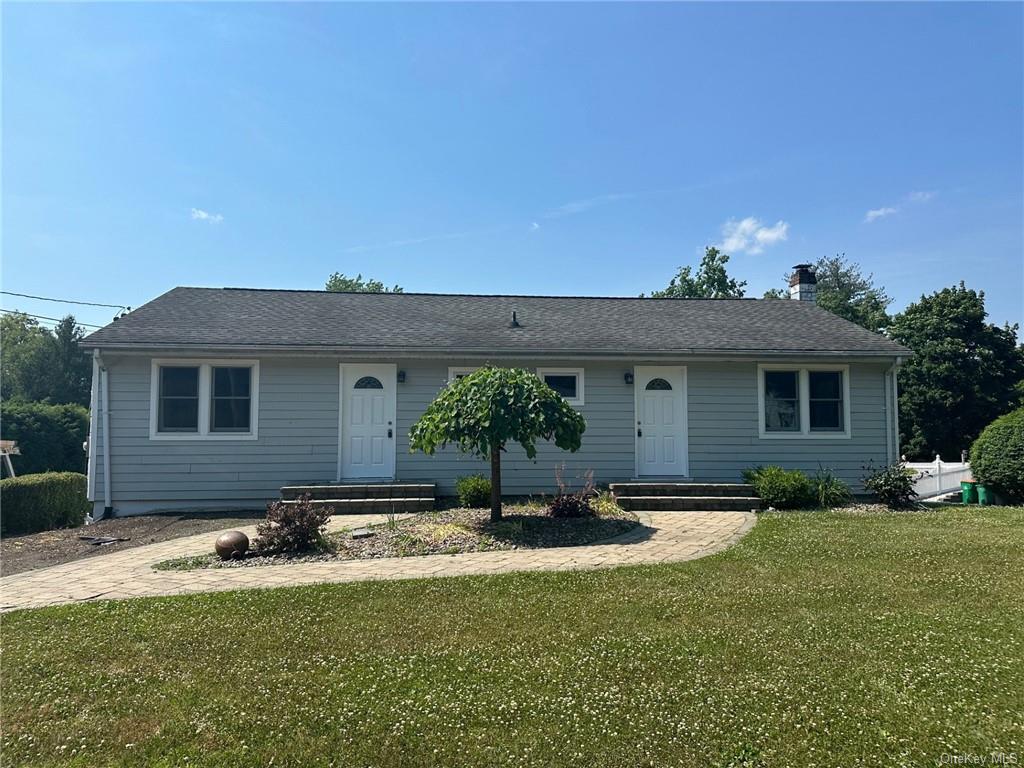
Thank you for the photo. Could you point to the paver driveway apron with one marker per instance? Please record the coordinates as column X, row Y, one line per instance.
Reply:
column 662, row 537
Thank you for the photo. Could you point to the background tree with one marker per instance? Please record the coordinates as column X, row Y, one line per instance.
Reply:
column 711, row 281
column 964, row 372
column 341, row 283
column 844, row 290
column 73, row 377
column 37, row 364
column 482, row 412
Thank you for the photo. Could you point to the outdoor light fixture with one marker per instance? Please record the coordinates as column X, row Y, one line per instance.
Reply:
column 628, row 377
column 401, row 377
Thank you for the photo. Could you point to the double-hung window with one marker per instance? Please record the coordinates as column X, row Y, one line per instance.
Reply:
column 796, row 401
column 568, row 382
column 179, row 399
column 204, row 399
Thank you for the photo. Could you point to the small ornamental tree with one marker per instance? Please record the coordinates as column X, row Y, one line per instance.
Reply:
column 482, row 412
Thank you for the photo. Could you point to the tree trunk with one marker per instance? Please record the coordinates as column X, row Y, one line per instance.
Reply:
column 495, row 483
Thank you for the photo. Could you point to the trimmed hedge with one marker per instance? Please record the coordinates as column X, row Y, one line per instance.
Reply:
column 42, row 502
column 50, row 437
column 997, row 456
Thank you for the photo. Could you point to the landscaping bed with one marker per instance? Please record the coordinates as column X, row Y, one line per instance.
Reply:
column 40, row 550
column 448, row 532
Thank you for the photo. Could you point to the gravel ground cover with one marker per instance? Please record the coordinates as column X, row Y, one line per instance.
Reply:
column 446, row 532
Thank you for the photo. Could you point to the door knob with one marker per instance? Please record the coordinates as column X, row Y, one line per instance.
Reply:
column 639, row 432
column 389, row 432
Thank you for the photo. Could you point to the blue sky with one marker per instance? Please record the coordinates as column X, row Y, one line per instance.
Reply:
column 562, row 149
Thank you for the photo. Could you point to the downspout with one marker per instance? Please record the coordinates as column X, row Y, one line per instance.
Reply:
column 94, row 414
column 108, row 510
column 896, row 405
column 887, row 394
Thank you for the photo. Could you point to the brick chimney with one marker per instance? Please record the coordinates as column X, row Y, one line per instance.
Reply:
column 803, row 285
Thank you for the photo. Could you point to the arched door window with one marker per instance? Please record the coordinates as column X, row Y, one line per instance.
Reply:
column 658, row 384
column 368, row 382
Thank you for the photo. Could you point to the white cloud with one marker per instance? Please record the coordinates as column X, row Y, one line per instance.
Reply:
column 410, row 241
column 879, row 213
column 198, row 214
column 749, row 235
column 580, row 206
column 916, row 198
column 534, row 226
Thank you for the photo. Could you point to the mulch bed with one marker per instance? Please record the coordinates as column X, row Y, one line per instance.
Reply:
column 39, row 550
column 451, row 531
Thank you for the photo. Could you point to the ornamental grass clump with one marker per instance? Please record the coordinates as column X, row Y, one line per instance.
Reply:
column 569, row 503
column 293, row 527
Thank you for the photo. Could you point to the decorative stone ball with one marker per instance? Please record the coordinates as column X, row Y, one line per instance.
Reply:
column 232, row 545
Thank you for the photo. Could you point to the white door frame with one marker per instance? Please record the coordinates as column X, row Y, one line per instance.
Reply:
column 641, row 371
column 390, row 405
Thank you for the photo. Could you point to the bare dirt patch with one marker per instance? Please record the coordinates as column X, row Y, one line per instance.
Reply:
column 39, row 550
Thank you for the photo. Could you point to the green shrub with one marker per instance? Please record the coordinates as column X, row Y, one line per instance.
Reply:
column 42, row 502
column 829, row 490
column 473, row 491
column 894, row 485
column 293, row 527
column 781, row 488
column 997, row 456
column 50, row 437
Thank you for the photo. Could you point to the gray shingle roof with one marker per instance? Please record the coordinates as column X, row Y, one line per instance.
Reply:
column 409, row 322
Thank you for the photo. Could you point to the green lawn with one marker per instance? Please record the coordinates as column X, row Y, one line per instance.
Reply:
column 821, row 639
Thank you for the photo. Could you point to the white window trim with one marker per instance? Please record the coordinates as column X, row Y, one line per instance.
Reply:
column 460, row 370
column 577, row 372
column 805, row 432
column 206, row 367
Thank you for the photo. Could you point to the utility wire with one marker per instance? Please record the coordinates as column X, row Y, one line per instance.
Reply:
column 44, row 317
column 65, row 301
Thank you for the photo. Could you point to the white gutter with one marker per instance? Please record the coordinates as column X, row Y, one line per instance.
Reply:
column 105, row 400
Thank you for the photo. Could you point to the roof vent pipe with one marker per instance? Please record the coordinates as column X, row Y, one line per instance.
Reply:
column 803, row 285
column 514, row 323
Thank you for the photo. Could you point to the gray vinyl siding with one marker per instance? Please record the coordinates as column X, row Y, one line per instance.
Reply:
column 607, row 446
column 724, row 437
column 298, row 434
column 298, row 439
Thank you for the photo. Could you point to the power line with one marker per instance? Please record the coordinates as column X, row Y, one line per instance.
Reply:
column 65, row 301
column 44, row 317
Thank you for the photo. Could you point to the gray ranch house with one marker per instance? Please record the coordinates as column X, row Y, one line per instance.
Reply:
column 218, row 398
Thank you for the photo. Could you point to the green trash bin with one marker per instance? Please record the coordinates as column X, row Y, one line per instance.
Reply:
column 984, row 495
column 969, row 492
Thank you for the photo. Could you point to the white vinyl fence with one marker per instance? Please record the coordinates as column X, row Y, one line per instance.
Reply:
column 938, row 477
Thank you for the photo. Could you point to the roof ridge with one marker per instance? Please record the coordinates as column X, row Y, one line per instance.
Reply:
column 467, row 295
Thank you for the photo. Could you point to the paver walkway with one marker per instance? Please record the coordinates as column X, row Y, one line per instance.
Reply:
column 663, row 537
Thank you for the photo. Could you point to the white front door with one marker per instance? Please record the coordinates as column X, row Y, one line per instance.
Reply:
column 367, row 448
column 661, row 448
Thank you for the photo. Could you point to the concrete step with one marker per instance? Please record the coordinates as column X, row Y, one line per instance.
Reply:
column 689, row 503
column 372, row 506
column 681, row 489
column 360, row 491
